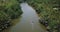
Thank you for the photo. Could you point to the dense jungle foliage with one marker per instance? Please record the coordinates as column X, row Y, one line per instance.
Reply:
column 49, row 10
column 9, row 9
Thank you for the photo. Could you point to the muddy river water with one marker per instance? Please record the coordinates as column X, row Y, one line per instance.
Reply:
column 28, row 22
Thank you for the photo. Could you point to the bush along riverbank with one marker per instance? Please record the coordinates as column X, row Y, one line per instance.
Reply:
column 49, row 13
column 9, row 10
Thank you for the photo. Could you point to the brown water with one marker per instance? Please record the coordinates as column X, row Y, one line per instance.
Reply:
column 28, row 22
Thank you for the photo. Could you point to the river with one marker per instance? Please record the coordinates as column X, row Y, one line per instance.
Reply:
column 28, row 22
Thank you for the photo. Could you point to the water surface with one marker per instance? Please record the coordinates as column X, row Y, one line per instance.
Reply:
column 28, row 22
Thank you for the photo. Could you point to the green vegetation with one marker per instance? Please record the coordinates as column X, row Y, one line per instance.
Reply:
column 49, row 11
column 9, row 9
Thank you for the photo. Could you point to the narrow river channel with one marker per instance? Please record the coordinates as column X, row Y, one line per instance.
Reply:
column 28, row 22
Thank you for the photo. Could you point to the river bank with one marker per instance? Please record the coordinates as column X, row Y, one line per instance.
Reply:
column 48, row 11
column 9, row 10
